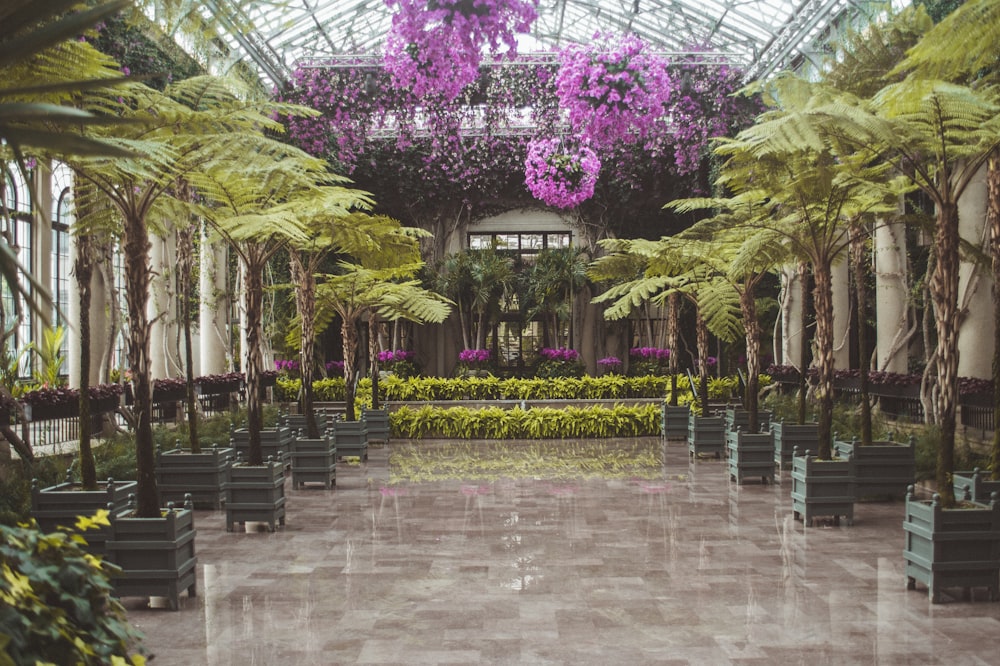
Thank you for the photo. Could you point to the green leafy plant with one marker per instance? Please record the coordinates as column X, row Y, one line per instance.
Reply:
column 55, row 602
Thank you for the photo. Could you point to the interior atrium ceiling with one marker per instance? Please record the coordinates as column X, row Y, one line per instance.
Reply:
column 761, row 36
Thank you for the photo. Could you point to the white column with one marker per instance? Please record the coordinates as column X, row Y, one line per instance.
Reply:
column 842, row 314
column 791, row 317
column 164, row 358
column 213, row 335
column 891, row 297
column 975, row 336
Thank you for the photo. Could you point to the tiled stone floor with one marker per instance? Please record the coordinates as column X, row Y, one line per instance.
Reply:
column 684, row 567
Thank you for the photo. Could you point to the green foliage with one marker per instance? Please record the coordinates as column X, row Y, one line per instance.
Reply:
column 50, row 358
column 489, row 461
column 55, row 602
column 535, row 423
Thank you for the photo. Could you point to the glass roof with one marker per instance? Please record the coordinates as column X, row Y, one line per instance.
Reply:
column 762, row 36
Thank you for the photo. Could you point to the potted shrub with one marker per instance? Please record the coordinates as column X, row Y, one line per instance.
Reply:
column 882, row 468
column 57, row 507
column 952, row 547
column 199, row 474
column 155, row 556
column 822, row 488
column 750, row 455
column 314, row 461
column 706, row 435
column 255, row 493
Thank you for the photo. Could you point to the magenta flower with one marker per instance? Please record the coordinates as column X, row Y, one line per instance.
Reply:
column 561, row 176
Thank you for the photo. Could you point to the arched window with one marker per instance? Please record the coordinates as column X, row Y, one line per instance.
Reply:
column 62, row 218
column 15, row 218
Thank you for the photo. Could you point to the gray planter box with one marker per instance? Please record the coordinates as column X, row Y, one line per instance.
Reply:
column 706, row 435
column 59, row 506
column 977, row 482
column 351, row 439
column 201, row 475
column 255, row 494
column 297, row 422
column 314, row 461
column 750, row 456
column 952, row 548
column 884, row 469
column 790, row 436
column 822, row 488
column 274, row 443
column 377, row 424
column 674, row 421
column 156, row 555
column 740, row 418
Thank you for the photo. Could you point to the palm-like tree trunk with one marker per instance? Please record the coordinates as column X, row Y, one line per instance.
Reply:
column 373, row 354
column 349, row 332
column 137, row 278
column 185, row 265
column 944, row 295
column 993, row 224
column 823, row 302
column 305, row 300
column 803, row 342
column 751, row 327
column 673, row 333
column 83, row 268
column 701, row 337
column 857, row 242
column 253, row 293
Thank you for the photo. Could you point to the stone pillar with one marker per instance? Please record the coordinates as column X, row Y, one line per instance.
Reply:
column 975, row 337
column 213, row 310
column 842, row 314
column 891, row 297
column 791, row 318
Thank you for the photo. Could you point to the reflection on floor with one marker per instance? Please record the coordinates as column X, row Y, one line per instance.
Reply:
column 628, row 554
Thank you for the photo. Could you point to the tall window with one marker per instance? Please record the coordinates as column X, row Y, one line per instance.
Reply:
column 62, row 211
column 515, row 342
column 16, row 229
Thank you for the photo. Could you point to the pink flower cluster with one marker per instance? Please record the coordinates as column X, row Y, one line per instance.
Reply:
column 649, row 353
column 473, row 356
column 395, row 355
column 560, row 176
column 559, row 354
column 615, row 91
column 434, row 47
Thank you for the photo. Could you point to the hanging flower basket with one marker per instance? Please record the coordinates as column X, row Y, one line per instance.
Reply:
column 559, row 175
column 434, row 47
column 614, row 90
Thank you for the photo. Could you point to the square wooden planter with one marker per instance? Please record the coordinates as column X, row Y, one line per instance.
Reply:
column 314, row 461
column 740, row 418
column 156, row 555
column 952, row 548
column 881, row 470
column 255, row 494
column 706, row 435
column 297, row 422
column 274, row 443
column 351, row 439
column 790, row 436
column 376, row 423
column 978, row 484
column 750, row 455
column 674, row 421
column 822, row 488
column 201, row 475
column 59, row 506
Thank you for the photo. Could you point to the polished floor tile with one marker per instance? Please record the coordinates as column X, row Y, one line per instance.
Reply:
column 431, row 554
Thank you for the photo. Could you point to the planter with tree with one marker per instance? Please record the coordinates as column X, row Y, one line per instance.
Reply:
column 155, row 556
column 255, row 493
